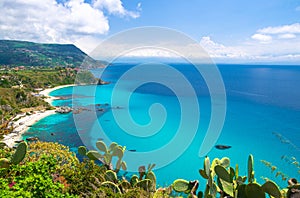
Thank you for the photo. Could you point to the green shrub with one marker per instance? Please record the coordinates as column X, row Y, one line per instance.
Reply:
column 33, row 179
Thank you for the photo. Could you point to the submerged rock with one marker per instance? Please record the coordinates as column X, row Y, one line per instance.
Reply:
column 222, row 147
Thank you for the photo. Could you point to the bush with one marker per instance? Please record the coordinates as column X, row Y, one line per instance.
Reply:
column 33, row 179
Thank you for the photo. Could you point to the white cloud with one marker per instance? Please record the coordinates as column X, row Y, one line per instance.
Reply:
column 217, row 50
column 284, row 29
column 49, row 21
column 262, row 38
column 287, row 36
column 116, row 7
column 253, row 51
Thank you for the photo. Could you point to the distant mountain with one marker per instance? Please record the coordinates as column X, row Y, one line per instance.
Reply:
column 36, row 54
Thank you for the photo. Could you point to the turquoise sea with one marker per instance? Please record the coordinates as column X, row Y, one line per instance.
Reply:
column 262, row 118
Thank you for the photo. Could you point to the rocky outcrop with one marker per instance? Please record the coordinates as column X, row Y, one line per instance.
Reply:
column 63, row 109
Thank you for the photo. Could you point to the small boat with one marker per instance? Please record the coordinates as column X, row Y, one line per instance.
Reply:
column 132, row 150
column 222, row 147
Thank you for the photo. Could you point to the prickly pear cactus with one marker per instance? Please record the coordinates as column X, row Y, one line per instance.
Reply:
column 120, row 164
column 112, row 146
column 110, row 176
column 207, row 166
column 124, row 185
column 134, row 179
column 150, row 175
column 272, row 189
column 93, row 155
column 223, row 173
column 144, row 184
column 118, row 151
column 250, row 169
column 253, row 190
column 82, row 150
column 181, row 185
column 112, row 186
column 20, row 153
column 101, row 146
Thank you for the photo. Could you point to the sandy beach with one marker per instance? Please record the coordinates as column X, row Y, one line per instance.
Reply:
column 25, row 121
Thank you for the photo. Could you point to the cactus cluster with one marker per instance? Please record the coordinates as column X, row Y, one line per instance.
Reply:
column 106, row 155
column 226, row 181
column 146, row 183
column 146, row 179
column 229, row 183
column 17, row 157
column 187, row 187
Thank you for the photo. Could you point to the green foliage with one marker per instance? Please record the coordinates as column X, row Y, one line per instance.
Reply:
column 20, row 153
column 51, row 170
column 4, row 163
column 33, row 179
column 36, row 54
column 16, row 158
column 112, row 186
column 106, row 155
column 19, row 89
column 61, row 153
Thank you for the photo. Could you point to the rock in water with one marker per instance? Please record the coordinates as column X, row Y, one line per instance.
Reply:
column 222, row 147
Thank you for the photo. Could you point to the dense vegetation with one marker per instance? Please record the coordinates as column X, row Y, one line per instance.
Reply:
column 43, row 169
column 22, row 53
column 19, row 89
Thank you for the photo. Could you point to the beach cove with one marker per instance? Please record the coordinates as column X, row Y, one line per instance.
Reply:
column 23, row 121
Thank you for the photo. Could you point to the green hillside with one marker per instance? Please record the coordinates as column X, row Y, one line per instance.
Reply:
column 17, row 53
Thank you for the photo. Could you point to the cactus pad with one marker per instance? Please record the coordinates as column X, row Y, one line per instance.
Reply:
column 253, row 190
column 145, row 184
column 118, row 151
column 20, row 153
column 181, row 185
column 112, row 186
column 150, row 175
column 207, row 166
column 101, row 146
column 272, row 189
column 222, row 173
column 82, row 150
column 134, row 179
column 110, row 176
column 112, row 146
column 93, row 155
column 250, row 169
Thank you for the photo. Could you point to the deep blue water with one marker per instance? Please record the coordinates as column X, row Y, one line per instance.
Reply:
column 261, row 100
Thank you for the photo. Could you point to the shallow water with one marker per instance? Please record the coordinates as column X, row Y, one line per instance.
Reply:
column 261, row 100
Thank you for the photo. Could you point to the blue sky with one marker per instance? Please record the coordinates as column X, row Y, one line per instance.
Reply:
column 226, row 20
column 229, row 30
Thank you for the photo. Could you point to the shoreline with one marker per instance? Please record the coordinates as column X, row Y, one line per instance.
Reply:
column 25, row 121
